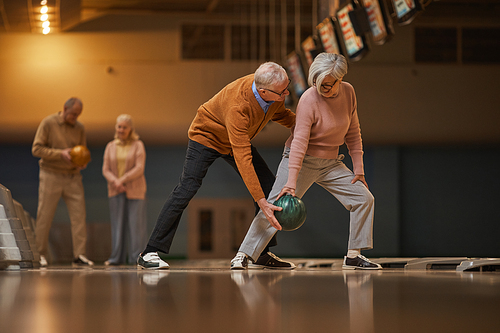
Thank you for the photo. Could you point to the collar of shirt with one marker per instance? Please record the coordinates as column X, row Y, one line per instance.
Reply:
column 60, row 119
column 122, row 143
column 263, row 104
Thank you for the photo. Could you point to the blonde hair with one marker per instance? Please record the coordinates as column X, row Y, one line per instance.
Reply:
column 128, row 118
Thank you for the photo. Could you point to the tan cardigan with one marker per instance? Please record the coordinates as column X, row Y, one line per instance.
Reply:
column 134, row 179
column 52, row 137
column 231, row 119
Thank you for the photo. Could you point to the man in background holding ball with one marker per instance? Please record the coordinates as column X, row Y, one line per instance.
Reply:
column 56, row 135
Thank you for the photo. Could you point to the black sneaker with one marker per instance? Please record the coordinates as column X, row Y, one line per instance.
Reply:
column 359, row 262
column 151, row 260
column 271, row 261
column 82, row 261
column 240, row 261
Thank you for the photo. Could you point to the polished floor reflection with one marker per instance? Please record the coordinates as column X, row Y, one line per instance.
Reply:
column 207, row 297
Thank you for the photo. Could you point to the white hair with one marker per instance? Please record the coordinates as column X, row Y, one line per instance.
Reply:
column 71, row 102
column 326, row 64
column 269, row 74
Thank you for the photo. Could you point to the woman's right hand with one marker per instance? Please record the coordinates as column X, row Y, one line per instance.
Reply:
column 117, row 184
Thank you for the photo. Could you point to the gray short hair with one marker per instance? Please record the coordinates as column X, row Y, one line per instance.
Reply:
column 269, row 74
column 326, row 64
column 128, row 118
column 71, row 102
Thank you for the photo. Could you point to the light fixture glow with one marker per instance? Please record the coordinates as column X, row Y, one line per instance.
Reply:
column 46, row 24
column 44, row 10
column 46, row 30
column 44, row 17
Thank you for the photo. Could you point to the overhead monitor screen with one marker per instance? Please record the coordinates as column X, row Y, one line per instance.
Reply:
column 406, row 10
column 403, row 7
column 328, row 36
column 310, row 49
column 297, row 73
column 377, row 24
column 354, row 44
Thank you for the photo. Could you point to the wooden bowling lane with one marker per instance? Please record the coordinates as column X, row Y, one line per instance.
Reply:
column 206, row 296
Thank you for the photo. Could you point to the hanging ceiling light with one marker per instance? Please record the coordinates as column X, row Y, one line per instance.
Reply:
column 44, row 17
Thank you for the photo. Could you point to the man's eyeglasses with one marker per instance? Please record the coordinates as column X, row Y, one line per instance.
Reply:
column 282, row 93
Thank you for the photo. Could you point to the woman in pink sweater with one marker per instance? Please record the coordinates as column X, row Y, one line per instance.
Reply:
column 326, row 118
column 123, row 168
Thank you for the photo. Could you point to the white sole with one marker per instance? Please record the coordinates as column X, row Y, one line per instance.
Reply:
column 238, row 268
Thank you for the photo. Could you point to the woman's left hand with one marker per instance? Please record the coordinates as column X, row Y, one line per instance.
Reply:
column 286, row 190
column 361, row 178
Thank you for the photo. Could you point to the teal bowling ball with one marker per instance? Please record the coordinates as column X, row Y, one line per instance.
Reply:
column 293, row 214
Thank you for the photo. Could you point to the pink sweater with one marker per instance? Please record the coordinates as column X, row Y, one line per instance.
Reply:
column 134, row 179
column 322, row 125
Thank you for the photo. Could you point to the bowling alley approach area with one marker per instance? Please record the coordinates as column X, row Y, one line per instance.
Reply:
column 432, row 294
column 206, row 296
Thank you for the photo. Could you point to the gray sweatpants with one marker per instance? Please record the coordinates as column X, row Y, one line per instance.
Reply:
column 128, row 228
column 336, row 178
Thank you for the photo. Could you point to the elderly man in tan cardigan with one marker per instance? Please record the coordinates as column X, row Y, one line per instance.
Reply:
column 223, row 128
column 59, row 177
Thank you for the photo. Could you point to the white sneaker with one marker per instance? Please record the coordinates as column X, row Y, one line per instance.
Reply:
column 240, row 261
column 240, row 277
column 82, row 260
column 43, row 261
column 152, row 278
column 151, row 261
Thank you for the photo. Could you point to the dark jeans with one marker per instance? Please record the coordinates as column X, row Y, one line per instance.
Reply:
column 198, row 159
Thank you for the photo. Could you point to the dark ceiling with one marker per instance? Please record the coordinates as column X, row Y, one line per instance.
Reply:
column 21, row 16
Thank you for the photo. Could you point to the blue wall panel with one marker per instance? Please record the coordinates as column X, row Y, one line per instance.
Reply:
column 429, row 201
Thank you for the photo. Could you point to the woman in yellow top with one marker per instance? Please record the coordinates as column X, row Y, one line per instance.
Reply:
column 123, row 168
